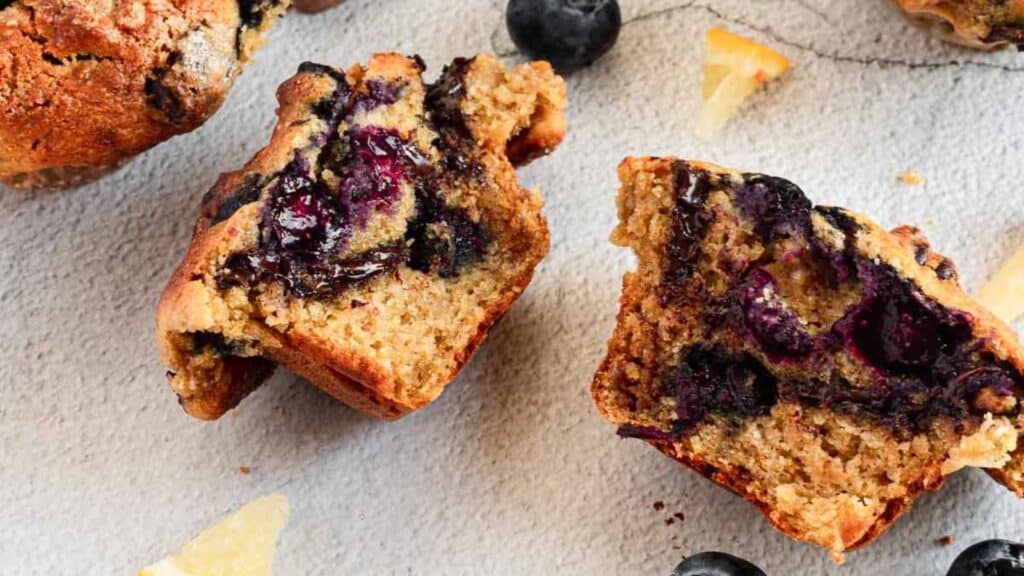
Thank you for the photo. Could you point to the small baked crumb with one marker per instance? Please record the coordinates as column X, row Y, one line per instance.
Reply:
column 680, row 516
column 946, row 540
column 910, row 178
column 659, row 506
column 245, row 470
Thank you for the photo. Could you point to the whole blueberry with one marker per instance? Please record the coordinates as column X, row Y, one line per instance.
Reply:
column 570, row 34
column 990, row 558
column 716, row 564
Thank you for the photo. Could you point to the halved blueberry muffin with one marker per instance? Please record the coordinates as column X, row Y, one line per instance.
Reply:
column 977, row 23
column 824, row 369
column 89, row 84
column 372, row 243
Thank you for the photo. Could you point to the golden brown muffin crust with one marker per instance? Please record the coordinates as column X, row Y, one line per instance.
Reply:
column 87, row 84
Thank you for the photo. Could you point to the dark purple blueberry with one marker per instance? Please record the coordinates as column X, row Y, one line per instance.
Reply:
column 777, row 207
column 570, row 34
column 898, row 328
column 840, row 261
column 373, row 172
column 990, row 558
column 716, row 564
column 776, row 328
column 443, row 239
column 690, row 220
column 714, row 380
column 378, row 93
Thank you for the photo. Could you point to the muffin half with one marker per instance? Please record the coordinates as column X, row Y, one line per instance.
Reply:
column 824, row 369
column 371, row 245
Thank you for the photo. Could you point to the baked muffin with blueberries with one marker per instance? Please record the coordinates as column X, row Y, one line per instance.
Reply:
column 374, row 241
column 825, row 369
column 985, row 24
column 89, row 84
column 315, row 5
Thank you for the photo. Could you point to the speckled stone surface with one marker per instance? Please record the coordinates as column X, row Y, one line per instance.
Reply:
column 512, row 471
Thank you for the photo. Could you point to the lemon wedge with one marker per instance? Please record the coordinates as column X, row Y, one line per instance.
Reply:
column 240, row 545
column 734, row 67
column 1004, row 293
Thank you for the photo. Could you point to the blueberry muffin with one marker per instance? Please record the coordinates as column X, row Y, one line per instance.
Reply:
column 825, row 369
column 374, row 241
column 983, row 24
column 315, row 5
column 91, row 84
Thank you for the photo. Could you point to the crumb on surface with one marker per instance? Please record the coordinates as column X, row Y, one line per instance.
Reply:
column 659, row 506
column 946, row 540
column 245, row 470
column 679, row 516
column 910, row 178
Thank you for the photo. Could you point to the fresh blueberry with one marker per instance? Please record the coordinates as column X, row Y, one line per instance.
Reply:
column 570, row 34
column 716, row 564
column 990, row 558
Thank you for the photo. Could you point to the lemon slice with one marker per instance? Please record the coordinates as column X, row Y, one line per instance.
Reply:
column 240, row 545
column 1004, row 293
column 734, row 67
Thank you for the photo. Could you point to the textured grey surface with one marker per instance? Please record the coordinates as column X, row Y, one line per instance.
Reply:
column 512, row 471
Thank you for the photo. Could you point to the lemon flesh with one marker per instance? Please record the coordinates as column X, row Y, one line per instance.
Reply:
column 1004, row 293
column 240, row 545
column 734, row 67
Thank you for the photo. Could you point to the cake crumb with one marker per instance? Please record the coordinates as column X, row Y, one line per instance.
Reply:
column 946, row 540
column 659, row 506
column 670, row 521
column 245, row 470
column 680, row 516
column 910, row 178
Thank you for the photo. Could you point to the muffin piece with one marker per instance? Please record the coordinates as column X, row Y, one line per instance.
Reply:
column 985, row 24
column 91, row 84
column 824, row 369
column 371, row 245
column 315, row 5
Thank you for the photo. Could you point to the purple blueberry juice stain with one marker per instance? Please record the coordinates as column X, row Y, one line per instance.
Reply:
column 306, row 224
column 776, row 329
column 923, row 358
column 690, row 219
column 379, row 92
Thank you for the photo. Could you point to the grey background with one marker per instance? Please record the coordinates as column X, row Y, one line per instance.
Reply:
column 512, row 471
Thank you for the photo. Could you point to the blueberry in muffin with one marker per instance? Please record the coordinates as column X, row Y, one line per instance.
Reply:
column 94, row 83
column 982, row 24
column 373, row 242
column 825, row 369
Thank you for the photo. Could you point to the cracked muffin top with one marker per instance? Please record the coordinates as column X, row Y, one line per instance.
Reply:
column 975, row 23
column 90, row 83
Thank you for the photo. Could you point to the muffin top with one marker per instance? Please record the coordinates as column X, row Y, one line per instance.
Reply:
column 976, row 23
column 91, row 82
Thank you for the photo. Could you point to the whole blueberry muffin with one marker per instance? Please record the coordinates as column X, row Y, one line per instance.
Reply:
column 374, row 241
column 315, row 5
column 89, row 84
column 978, row 23
column 825, row 369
